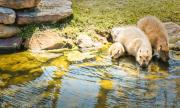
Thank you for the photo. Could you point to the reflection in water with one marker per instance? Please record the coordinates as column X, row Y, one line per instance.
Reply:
column 95, row 84
column 75, row 92
column 31, row 93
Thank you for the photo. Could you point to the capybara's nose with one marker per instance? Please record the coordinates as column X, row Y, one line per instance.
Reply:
column 144, row 61
column 165, row 59
column 144, row 65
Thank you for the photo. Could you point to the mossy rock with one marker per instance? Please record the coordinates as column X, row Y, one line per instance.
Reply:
column 60, row 62
column 18, row 62
column 76, row 56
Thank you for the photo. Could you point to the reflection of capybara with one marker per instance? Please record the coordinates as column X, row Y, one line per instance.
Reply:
column 157, row 35
column 132, row 40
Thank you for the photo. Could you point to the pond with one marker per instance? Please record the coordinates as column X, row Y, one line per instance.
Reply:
column 28, row 80
column 73, row 79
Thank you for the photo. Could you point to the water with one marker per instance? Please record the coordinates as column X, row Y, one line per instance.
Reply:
column 94, row 83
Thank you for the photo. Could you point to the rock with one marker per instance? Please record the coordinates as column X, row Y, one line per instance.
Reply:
column 174, row 35
column 102, row 39
column 60, row 62
column 44, row 56
column 47, row 40
column 76, row 56
column 85, row 42
column 19, row 4
column 10, row 45
column 8, row 31
column 46, row 11
column 7, row 16
column 104, row 35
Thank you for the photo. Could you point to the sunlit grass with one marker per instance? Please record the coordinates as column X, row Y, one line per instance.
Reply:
column 104, row 14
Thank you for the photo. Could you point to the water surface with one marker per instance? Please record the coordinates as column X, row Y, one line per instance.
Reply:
column 31, row 81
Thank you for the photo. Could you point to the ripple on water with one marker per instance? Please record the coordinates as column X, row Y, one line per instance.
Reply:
column 97, row 83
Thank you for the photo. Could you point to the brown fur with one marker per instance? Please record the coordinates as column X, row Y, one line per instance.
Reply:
column 157, row 35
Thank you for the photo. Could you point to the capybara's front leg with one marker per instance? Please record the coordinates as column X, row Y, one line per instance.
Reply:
column 116, row 50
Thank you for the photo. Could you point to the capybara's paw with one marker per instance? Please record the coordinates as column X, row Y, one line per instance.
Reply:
column 116, row 50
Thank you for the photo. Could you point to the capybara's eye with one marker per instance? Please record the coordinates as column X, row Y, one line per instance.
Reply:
column 140, row 56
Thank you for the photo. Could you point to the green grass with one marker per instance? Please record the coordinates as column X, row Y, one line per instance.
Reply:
column 104, row 14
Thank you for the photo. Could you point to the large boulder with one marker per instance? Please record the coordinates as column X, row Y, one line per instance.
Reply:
column 8, row 31
column 10, row 45
column 174, row 35
column 86, row 42
column 46, row 11
column 19, row 4
column 7, row 16
column 47, row 40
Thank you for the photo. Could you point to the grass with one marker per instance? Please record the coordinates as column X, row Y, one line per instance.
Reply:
column 104, row 14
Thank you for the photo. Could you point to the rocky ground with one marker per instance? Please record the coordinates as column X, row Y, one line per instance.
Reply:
column 21, row 12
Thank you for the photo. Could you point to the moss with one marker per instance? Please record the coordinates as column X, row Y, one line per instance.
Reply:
column 76, row 56
column 5, row 76
column 154, row 77
column 18, row 62
column 60, row 62
column 21, row 79
column 59, row 74
column 2, row 84
column 35, row 71
column 106, row 84
column 101, row 14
